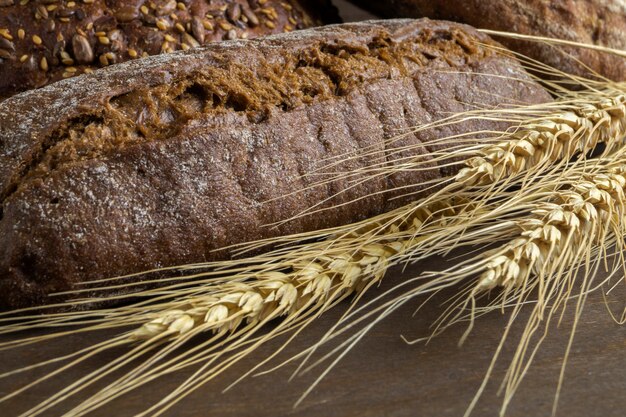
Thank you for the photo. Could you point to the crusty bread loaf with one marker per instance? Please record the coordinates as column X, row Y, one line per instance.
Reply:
column 45, row 41
column 597, row 22
column 160, row 161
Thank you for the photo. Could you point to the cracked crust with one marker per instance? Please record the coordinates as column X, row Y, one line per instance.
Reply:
column 161, row 161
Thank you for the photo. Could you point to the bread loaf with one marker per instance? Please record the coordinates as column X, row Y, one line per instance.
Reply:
column 597, row 22
column 160, row 161
column 45, row 41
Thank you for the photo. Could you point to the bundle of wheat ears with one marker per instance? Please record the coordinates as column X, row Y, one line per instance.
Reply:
column 551, row 190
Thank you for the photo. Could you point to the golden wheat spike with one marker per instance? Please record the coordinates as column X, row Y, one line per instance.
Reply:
column 539, row 136
column 225, row 309
column 558, row 242
column 556, row 138
column 231, row 303
column 557, row 227
column 330, row 270
column 306, row 281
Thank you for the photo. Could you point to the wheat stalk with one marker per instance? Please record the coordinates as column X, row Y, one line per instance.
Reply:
column 558, row 228
column 571, row 218
column 329, row 271
column 235, row 299
column 583, row 218
column 311, row 278
column 558, row 137
column 539, row 136
column 274, row 293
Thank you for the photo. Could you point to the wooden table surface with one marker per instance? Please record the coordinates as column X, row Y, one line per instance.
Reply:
column 383, row 376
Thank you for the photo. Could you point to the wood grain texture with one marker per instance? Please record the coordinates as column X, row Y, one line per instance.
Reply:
column 383, row 376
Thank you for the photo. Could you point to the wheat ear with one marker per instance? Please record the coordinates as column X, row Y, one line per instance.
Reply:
column 317, row 282
column 178, row 313
column 558, row 241
column 556, row 138
column 574, row 217
column 584, row 218
column 361, row 259
column 311, row 279
column 539, row 137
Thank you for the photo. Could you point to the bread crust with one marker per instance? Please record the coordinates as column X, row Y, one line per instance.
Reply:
column 45, row 41
column 161, row 161
column 596, row 22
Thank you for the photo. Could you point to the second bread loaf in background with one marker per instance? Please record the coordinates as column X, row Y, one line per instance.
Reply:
column 46, row 41
column 596, row 22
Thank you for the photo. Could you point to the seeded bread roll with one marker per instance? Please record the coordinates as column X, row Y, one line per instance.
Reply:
column 160, row 161
column 47, row 40
column 597, row 22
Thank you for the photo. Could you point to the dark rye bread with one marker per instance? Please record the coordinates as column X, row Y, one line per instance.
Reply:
column 597, row 22
column 45, row 41
column 160, row 161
